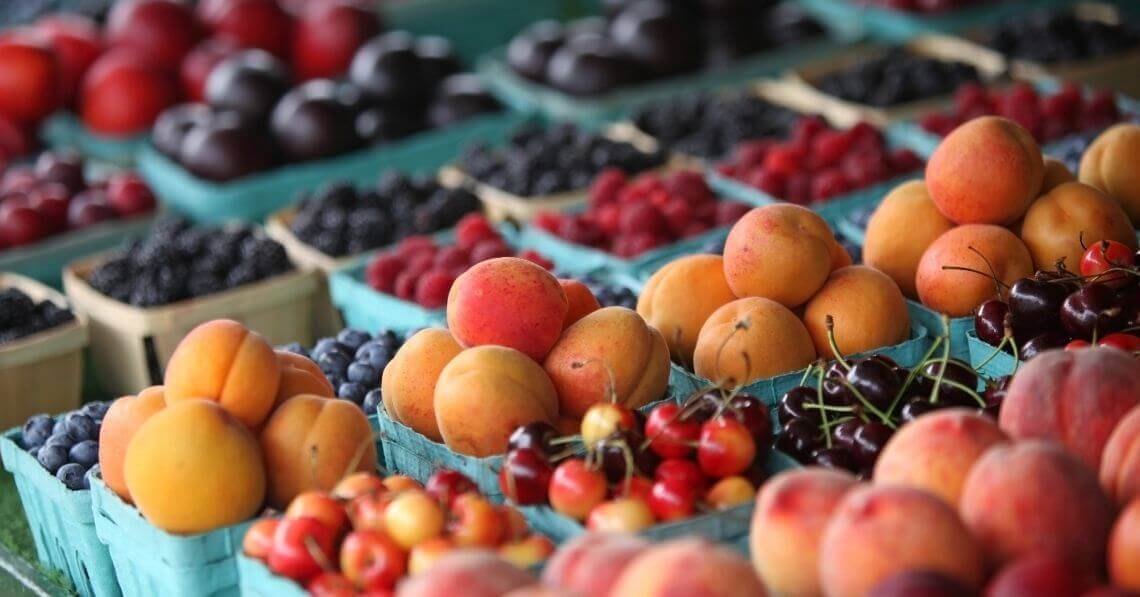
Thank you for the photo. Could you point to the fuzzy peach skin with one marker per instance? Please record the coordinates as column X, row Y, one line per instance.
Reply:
column 899, row 232
column 470, row 572
column 616, row 342
column 986, row 171
column 1056, row 174
column 1060, row 220
column 580, row 301
column 300, row 375
column 408, row 383
column 749, row 339
column 1033, row 495
column 120, row 423
column 591, row 563
column 1124, row 549
column 782, row 252
column 1120, row 461
column 1109, row 164
column 688, row 566
column 957, row 293
column 487, row 392
column 679, row 297
column 866, row 306
column 223, row 361
column 792, row 511
column 507, row 301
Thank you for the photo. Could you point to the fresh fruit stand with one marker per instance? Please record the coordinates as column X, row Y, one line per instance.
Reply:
column 570, row 298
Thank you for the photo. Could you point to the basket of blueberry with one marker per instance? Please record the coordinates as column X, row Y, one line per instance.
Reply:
column 354, row 361
column 49, row 458
column 141, row 300
column 41, row 350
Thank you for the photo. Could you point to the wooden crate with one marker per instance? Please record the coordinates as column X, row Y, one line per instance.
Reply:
column 131, row 345
column 41, row 373
column 327, row 319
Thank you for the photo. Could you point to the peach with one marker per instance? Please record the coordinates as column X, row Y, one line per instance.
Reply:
column 408, row 383
column 311, row 443
column 899, row 232
column 1057, row 222
column 193, row 467
column 792, row 511
column 579, row 299
column 223, row 361
column 1032, row 495
column 957, row 293
column 300, row 375
column 782, row 252
column 749, row 339
column 1075, row 398
column 487, row 392
column 879, row 531
column 678, row 299
column 590, row 564
column 936, row 451
column 1040, row 573
column 1120, row 461
column 867, row 308
column 689, row 566
column 611, row 354
column 120, row 423
column 1056, row 174
column 467, row 572
column 986, row 171
column 1124, row 549
column 1109, row 164
column 507, row 301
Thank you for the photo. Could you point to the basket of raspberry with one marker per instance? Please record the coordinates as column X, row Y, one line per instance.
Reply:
column 833, row 171
column 542, row 169
column 52, row 212
column 49, row 458
column 41, row 350
column 632, row 225
column 333, row 225
column 141, row 299
column 370, row 533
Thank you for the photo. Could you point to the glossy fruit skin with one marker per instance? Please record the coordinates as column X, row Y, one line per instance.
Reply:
column 753, row 413
column 575, row 488
column 290, row 555
column 670, row 500
column 445, row 485
column 163, row 29
column 875, row 380
column 327, row 35
column 525, row 477
column 603, row 420
column 258, row 540
column 315, row 121
column 77, row 43
column 224, row 149
column 1041, row 343
column 1126, row 342
column 372, row 561
column 1092, row 310
column 990, row 321
column 533, row 436
column 795, row 404
column 1033, row 306
column 123, row 94
column 669, row 434
column 725, row 447
column 249, row 83
column 29, row 80
column 682, row 471
column 869, row 440
column 1105, row 255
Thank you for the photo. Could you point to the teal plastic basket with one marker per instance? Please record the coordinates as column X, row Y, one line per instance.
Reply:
column 257, row 580
column 254, row 197
column 44, row 261
column 997, row 363
column 66, row 130
column 729, row 526
column 474, row 27
column 61, row 522
column 932, row 321
column 150, row 561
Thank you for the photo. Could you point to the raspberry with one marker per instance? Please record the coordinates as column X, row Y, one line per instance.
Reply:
column 728, row 212
column 864, row 169
column 660, row 199
column 705, row 212
column 536, row 257
column 808, row 127
column 1102, row 106
column 904, row 160
column 689, row 185
column 783, row 160
column 695, row 228
column 549, row 221
column 1022, row 96
column 406, row 285
column 769, row 181
column 608, row 218
column 938, row 123
column 473, row 228
column 750, row 154
column 580, row 231
column 640, row 188
column 382, row 271
column 828, row 147
column 432, row 288
column 971, row 95
column 798, row 188
column 413, row 245
column 728, row 170
column 451, row 257
column 828, row 184
column 1054, row 128
column 606, row 186
column 677, row 214
column 864, row 136
column 1061, row 107
column 642, row 218
column 489, row 249
column 636, row 244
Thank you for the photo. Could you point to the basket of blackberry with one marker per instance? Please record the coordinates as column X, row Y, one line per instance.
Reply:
column 141, row 299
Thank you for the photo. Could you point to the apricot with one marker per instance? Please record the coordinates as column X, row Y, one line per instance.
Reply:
column 678, row 299
column 879, row 531
column 986, row 171
column 194, row 467
column 300, row 375
column 510, row 302
column 467, row 572
column 1120, row 461
column 689, row 566
column 1109, row 164
column 782, row 252
column 1057, row 222
column 311, row 443
column 120, row 423
column 408, row 383
column 1124, row 549
column 1032, row 495
column 749, row 339
column 1075, row 398
column 591, row 563
column 1056, row 174
column 957, row 293
column 487, row 392
column 223, row 361
column 579, row 299
column 899, row 232
column 867, row 308
column 792, row 511
column 936, row 451
column 611, row 354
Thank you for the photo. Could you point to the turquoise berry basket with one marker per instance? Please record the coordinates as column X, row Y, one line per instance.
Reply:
column 997, row 363
column 932, row 321
column 61, row 522
column 45, row 260
column 151, row 562
column 254, row 197
column 474, row 27
column 66, row 130
column 257, row 580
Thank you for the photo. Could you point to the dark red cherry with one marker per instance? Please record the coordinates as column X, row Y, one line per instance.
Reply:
column 525, row 477
column 533, row 436
column 793, row 405
column 835, row 457
column 875, row 380
column 915, row 408
column 752, row 412
column 1092, row 310
column 843, row 434
column 1034, row 304
column 990, row 321
column 798, row 439
column 1042, row 342
column 869, row 441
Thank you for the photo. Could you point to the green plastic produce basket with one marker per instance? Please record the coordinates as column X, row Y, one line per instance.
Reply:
column 932, row 321
column 61, row 522
column 987, row 359
column 257, row 580
column 66, row 130
column 152, row 562
column 254, row 197
column 473, row 26
column 44, row 261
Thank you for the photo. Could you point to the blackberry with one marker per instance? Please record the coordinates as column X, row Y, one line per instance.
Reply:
column 242, row 274
column 111, row 274
column 710, row 126
column 267, row 255
column 394, row 183
column 15, row 307
column 330, row 243
column 192, row 243
column 153, row 253
column 369, row 228
column 899, row 76
column 49, row 315
column 168, row 227
column 147, row 292
column 1060, row 35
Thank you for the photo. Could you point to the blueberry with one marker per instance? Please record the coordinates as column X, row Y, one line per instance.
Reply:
column 34, row 451
column 327, row 345
column 353, row 339
column 62, row 440
column 36, row 431
column 73, row 475
column 372, row 402
column 375, row 354
column 85, row 453
column 389, row 339
column 333, row 363
column 51, row 457
column 295, row 348
column 352, row 391
column 81, row 427
column 59, row 427
column 364, row 374
column 96, row 410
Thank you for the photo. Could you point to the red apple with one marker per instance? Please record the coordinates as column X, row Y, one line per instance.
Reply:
column 575, row 488
column 20, row 224
column 330, row 584
column 322, row 507
column 372, row 561
column 123, row 94
column 250, row 23
column 328, row 34
column 29, row 79
column 129, row 194
column 200, row 62
column 77, row 43
column 164, row 30
column 259, row 538
column 445, row 485
column 51, row 199
column 298, row 544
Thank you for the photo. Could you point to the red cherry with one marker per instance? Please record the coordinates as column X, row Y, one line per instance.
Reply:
column 725, row 447
column 672, row 501
column 751, row 411
column 129, row 194
column 51, row 200
column 681, row 471
column 669, row 435
column 1077, row 344
column 635, row 487
column 1105, row 255
column 575, row 488
column 525, row 477
column 292, row 553
column 330, row 584
column 20, row 224
column 1123, row 341
column 445, row 485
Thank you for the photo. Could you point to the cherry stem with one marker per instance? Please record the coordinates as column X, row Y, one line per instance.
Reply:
column 867, row 404
column 609, row 372
column 953, row 384
column 1000, row 348
column 743, row 324
column 824, row 422
column 829, row 321
column 566, row 439
column 317, row 555
column 829, row 408
column 910, row 377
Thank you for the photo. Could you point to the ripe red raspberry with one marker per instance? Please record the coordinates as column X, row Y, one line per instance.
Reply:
column 689, row 185
column 828, row 147
column 784, row 160
column 1055, row 128
column 473, row 228
column 581, row 231
column 677, row 214
column 414, row 245
column 536, row 257
column 636, row 244
column 807, row 127
column 828, row 184
column 450, row 257
column 432, row 288
column 606, row 186
column 608, row 218
column 382, row 271
column 904, row 160
column 971, row 95
column 1061, row 107
column 938, row 123
column 750, row 154
column 864, row 136
column 694, row 228
column 489, row 249
column 1021, row 96
column 406, row 285
column 549, row 221
column 865, row 168
column 642, row 218
column 1102, row 106
column 798, row 189
column 660, row 199
column 728, row 212
column 640, row 188
column 769, row 181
